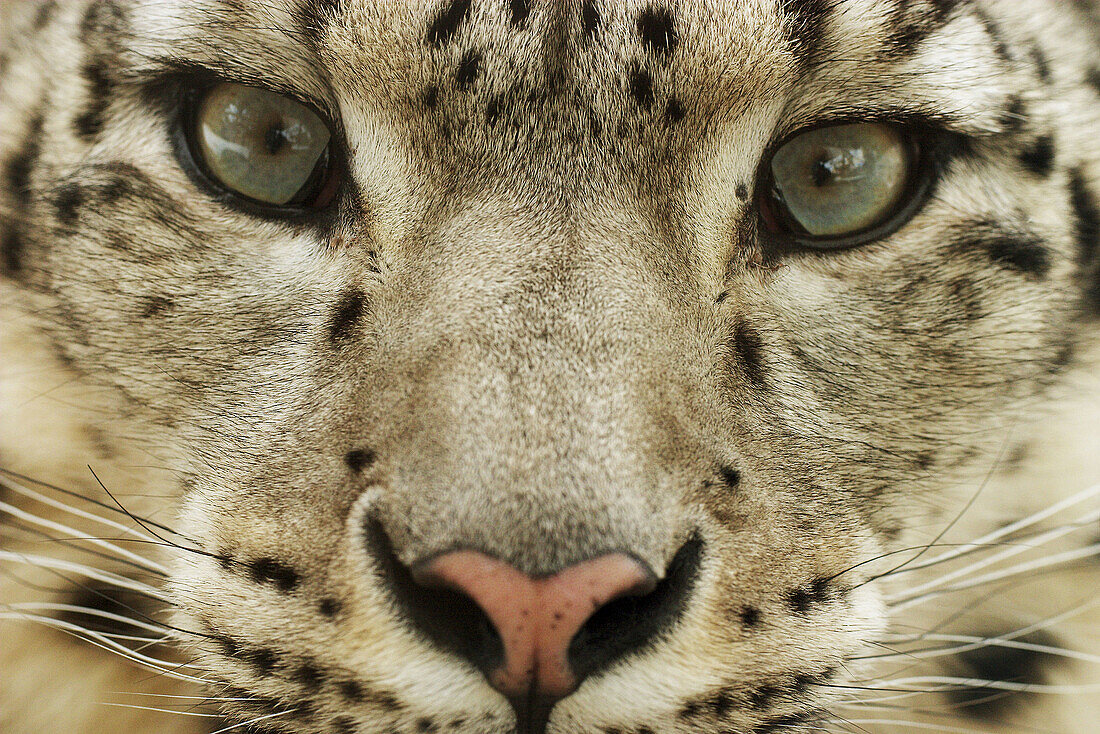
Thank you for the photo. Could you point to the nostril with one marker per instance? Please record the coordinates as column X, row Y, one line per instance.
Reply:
column 450, row 619
column 630, row 622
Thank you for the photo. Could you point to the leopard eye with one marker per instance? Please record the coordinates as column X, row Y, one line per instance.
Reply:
column 263, row 147
column 844, row 185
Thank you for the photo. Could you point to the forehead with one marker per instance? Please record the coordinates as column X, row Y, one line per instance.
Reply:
column 567, row 81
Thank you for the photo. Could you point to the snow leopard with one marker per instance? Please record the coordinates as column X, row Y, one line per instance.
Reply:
column 549, row 366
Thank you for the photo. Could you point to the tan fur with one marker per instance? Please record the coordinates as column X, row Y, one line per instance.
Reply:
column 547, row 366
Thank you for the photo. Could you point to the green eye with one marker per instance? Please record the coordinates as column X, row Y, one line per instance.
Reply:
column 263, row 147
column 844, row 185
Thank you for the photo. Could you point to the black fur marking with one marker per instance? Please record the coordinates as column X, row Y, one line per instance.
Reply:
column 315, row 16
column 748, row 347
column 1042, row 65
column 21, row 166
column 1092, row 77
column 1000, row 46
column 492, row 110
column 351, row 690
column 359, row 459
column 468, row 69
column 720, row 703
column 12, row 250
column 590, row 18
column 801, row 600
column 782, row 722
column 999, row 663
column 764, row 695
column 641, row 87
column 309, row 675
column 426, row 725
column 1038, row 158
column 657, row 30
column 1024, row 254
column 89, row 123
column 750, row 617
column 44, row 15
column 730, row 476
column 1086, row 211
column 346, row 315
column 521, row 9
column 271, row 571
column 262, row 659
column 68, row 201
column 155, row 305
column 344, row 725
column 430, row 96
column 447, row 23
column 805, row 24
column 742, row 192
column 329, row 607
column 913, row 25
column 674, row 111
column 1020, row 252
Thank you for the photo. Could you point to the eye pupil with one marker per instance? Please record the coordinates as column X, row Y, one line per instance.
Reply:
column 822, row 173
column 275, row 138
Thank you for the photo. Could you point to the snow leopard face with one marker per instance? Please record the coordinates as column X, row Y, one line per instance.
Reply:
column 547, row 367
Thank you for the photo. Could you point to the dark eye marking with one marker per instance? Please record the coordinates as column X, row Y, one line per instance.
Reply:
column 1016, row 251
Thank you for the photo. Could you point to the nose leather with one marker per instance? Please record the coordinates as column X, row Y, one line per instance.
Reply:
column 537, row 618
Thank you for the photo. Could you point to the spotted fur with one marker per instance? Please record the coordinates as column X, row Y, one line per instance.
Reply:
column 543, row 321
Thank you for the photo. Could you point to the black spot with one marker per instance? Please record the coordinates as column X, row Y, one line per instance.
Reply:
column 1024, row 254
column 426, row 725
column 68, row 200
column 996, row 36
column 763, row 696
column 805, row 24
column 1086, row 211
column 154, row 306
column 750, row 616
column 521, row 9
column 330, row 607
column 641, row 87
column 271, row 571
column 1092, row 78
column 748, row 348
column 721, row 703
column 742, row 192
column 925, row 460
column 343, row 725
column 44, row 14
column 590, row 18
column 447, row 23
column 730, row 476
column 657, row 30
column 674, row 111
column 262, row 659
column 90, row 122
column 1000, row 663
column 310, row 675
column 912, row 25
column 468, row 69
column 359, row 459
column 12, row 249
column 1039, row 156
column 1042, row 65
column 346, row 315
column 492, row 110
column 351, row 690
column 21, row 166
column 802, row 599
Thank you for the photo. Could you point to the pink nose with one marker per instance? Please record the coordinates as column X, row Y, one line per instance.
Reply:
column 536, row 618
